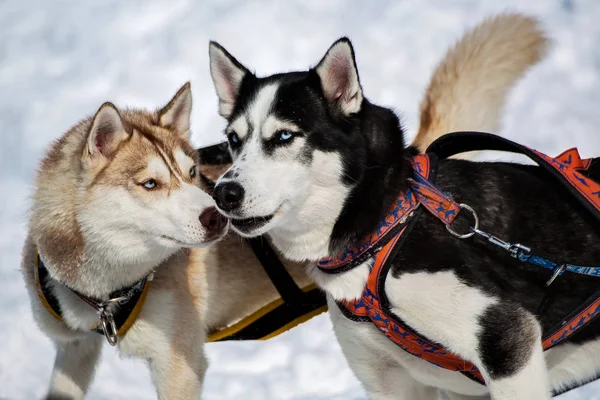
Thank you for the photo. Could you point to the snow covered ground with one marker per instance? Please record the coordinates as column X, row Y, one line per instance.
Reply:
column 60, row 60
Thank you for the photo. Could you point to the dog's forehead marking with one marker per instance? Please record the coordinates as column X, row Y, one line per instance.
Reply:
column 170, row 162
column 166, row 154
column 183, row 160
column 158, row 168
column 239, row 126
column 262, row 104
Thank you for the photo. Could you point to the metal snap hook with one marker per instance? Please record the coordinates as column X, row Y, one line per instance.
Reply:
column 109, row 327
column 473, row 229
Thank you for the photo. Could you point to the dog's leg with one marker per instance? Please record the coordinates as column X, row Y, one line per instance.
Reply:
column 365, row 350
column 529, row 382
column 170, row 332
column 74, row 367
column 512, row 360
column 173, row 347
column 179, row 376
column 501, row 339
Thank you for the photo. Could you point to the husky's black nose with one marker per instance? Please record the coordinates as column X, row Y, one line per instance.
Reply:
column 228, row 195
column 213, row 221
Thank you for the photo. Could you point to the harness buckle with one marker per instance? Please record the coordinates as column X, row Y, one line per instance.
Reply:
column 557, row 272
column 472, row 229
column 109, row 327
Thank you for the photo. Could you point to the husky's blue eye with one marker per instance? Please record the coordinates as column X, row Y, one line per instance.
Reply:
column 284, row 136
column 193, row 172
column 234, row 138
column 149, row 184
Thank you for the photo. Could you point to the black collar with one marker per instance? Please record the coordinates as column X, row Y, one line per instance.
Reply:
column 115, row 315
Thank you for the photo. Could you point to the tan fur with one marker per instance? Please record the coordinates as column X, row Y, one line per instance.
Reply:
column 197, row 291
column 78, row 167
column 53, row 227
column 180, row 291
column 53, row 223
column 470, row 85
column 213, row 172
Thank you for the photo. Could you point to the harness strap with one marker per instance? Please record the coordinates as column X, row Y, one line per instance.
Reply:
column 46, row 297
column 586, row 191
column 564, row 168
column 295, row 305
column 281, row 278
column 560, row 268
column 269, row 321
column 114, row 323
column 274, row 318
column 393, row 328
column 393, row 223
column 373, row 305
column 434, row 200
column 570, row 325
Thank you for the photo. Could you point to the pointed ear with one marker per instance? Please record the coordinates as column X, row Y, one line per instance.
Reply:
column 106, row 132
column 227, row 75
column 176, row 115
column 339, row 77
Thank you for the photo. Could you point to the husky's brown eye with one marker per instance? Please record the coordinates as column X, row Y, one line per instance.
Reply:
column 193, row 172
column 149, row 184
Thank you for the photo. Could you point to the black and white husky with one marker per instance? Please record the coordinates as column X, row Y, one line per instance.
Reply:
column 316, row 167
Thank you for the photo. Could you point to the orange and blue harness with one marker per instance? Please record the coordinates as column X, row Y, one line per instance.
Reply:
column 373, row 306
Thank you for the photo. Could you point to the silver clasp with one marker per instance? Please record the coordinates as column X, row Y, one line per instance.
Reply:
column 493, row 239
column 514, row 249
column 109, row 327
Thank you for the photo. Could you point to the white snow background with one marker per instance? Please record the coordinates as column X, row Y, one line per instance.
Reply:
column 60, row 60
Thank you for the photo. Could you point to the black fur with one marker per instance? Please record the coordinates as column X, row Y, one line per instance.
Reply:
column 521, row 204
column 503, row 353
column 369, row 153
column 216, row 154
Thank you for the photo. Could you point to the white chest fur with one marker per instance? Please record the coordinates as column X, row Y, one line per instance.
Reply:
column 438, row 305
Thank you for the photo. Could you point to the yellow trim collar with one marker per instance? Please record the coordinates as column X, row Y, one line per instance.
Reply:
column 135, row 312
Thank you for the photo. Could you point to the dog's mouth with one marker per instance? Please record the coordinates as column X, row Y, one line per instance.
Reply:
column 187, row 244
column 172, row 242
column 249, row 225
column 179, row 242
